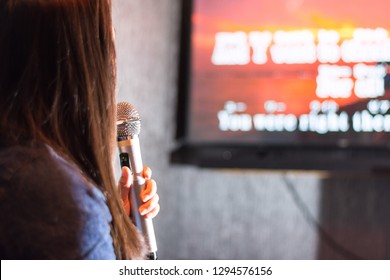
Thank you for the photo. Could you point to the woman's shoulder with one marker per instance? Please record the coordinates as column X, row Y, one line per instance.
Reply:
column 40, row 169
column 52, row 206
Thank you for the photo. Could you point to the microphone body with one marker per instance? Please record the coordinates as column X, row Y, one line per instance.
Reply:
column 130, row 156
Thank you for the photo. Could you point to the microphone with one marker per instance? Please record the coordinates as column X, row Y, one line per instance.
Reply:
column 128, row 129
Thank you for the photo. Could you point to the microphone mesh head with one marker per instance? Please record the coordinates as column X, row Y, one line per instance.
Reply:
column 128, row 120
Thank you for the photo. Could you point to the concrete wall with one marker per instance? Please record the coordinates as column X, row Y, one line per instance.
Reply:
column 236, row 214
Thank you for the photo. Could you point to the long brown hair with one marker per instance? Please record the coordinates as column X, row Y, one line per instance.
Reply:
column 57, row 85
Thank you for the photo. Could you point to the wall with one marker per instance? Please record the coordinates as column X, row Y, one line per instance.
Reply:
column 236, row 214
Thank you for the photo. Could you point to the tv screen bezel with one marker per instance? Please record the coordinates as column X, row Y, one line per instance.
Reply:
column 259, row 156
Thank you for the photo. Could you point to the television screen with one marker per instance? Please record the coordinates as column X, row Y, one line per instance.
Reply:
column 285, row 84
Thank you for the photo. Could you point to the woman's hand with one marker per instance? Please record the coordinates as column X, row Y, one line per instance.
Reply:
column 149, row 197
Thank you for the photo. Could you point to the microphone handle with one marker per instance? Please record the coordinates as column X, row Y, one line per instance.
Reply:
column 130, row 156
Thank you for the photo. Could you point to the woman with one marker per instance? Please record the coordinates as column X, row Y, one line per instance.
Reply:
column 58, row 198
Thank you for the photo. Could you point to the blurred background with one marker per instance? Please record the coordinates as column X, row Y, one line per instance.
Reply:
column 235, row 213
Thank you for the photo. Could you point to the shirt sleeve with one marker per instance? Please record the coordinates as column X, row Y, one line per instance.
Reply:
column 95, row 236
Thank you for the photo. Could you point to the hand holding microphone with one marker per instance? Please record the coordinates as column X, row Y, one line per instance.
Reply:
column 149, row 196
column 143, row 198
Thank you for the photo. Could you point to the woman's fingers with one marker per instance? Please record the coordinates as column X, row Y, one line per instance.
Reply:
column 149, row 190
column 147, row 172
column 126, row 180
column 150, row 207
column 153, row 213
column 149, row 197
column 124, row 184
